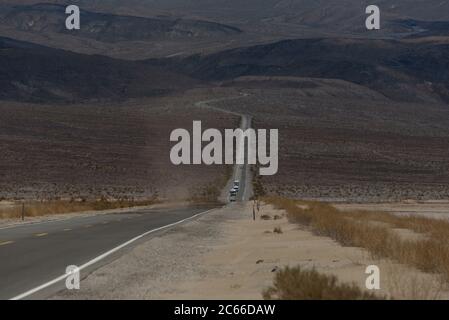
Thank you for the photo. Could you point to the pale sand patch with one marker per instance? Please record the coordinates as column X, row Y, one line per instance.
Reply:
column 227, row 255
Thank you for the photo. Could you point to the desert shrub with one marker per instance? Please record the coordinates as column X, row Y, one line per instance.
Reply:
column 298, row 284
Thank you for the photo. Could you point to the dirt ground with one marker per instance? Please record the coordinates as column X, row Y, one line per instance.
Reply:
column 227, row 255
column 341, row 142
column 117, row 150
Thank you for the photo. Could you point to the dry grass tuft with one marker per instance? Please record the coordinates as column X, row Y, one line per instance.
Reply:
column 297, row 284
column 406, row 286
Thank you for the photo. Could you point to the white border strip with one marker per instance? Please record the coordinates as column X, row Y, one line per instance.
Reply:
column 104, row 255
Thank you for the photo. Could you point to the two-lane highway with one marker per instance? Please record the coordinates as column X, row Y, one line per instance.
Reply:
column 33, row 255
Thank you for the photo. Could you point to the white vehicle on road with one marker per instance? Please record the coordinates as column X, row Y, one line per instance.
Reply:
column 233, row 194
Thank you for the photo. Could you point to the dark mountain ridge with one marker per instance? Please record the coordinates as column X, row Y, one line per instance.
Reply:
column 40, row 74
column 399, row 69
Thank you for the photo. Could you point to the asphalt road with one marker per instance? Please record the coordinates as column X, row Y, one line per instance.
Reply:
column 34, row 254
column 242, row 171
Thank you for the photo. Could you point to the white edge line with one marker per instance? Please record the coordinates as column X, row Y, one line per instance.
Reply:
column 104, row 255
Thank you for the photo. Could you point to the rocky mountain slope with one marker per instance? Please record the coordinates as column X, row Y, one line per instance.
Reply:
column 40, row 74
column 401, row 70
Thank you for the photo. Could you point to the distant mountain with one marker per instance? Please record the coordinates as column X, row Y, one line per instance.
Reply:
column 334, row 16
column 141, row 29
column 50, row 18
column 401, row 70
column 307, row 9
column 36, row 73
column 283, row 16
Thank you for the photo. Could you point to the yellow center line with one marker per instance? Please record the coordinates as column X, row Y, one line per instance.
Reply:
column 68, row 229
column 4, row 243
column 41, row 234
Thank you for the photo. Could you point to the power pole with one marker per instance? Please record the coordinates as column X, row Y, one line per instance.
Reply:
column 254, row 210
column 23, row 211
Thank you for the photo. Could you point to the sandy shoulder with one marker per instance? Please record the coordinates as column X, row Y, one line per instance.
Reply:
column 227, row 255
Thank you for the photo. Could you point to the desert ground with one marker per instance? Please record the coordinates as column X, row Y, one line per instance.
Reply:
column 107, row 149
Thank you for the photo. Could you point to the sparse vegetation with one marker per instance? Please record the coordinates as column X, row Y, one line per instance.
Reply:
column 298, row 284
column 258, row 188
column 375, row 231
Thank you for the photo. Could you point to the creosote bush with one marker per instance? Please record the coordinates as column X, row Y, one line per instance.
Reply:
column 298, row 284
